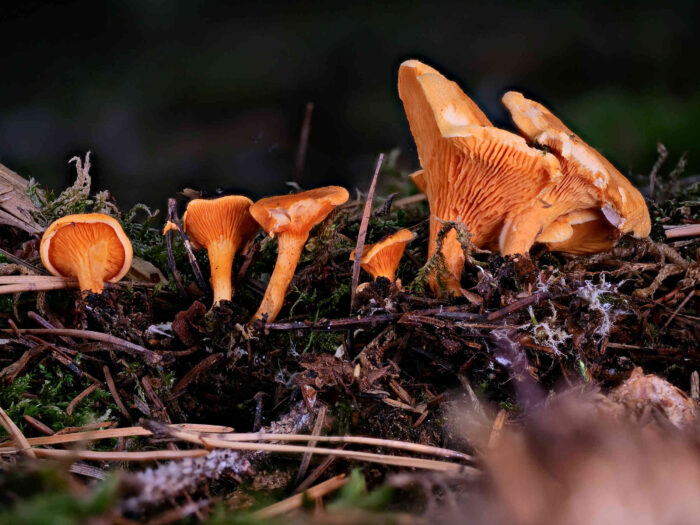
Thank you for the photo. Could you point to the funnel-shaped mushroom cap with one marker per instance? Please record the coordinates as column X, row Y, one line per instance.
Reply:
column 221, row 226
column 298, row 212
column 589, row 181
column 90, row 247
column 291, row 218
column 382, row 259
column 472, row 172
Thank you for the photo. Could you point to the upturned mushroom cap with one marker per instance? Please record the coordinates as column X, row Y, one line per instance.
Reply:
column 299, row 212
column 90, row 247
column 589, row 180
column 291, row 218
column 382, row 259
column 473, row 172
column 221, row 226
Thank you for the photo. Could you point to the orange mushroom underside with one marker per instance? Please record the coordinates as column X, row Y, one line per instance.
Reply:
column 89, row 252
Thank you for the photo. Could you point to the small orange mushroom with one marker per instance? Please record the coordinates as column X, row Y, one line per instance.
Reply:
column 382, row 259
column 221, row 226
column 90, row 247
column 291, row 218
column 473, row 173
column 590, row 183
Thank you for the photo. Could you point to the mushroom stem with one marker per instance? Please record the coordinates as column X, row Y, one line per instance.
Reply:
column 289, row 248
column 221, row 256
column 90, row 267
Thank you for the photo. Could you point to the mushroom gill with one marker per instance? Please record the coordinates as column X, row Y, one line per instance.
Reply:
column 221, row 226
column 473, row 173
column 290, row 218
column 589, row 182
column 90, row 247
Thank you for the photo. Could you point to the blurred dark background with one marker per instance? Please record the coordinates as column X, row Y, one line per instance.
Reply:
column 210, row 94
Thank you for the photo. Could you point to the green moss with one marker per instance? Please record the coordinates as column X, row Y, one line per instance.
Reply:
column 54, row 389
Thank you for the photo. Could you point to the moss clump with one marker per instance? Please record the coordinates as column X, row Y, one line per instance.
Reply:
column 46, row 392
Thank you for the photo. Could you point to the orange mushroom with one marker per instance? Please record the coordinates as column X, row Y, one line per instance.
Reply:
column 291, row 218
column 382, row 259
column 221, row 226
column 590, row 186
column 473, row 173
column 90, row 247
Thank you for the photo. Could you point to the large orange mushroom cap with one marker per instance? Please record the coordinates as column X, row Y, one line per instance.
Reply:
column 382, row 258
column 291, row 218
column 473, row 172
column 90, row 247
column 221, row 226
column 589, row 181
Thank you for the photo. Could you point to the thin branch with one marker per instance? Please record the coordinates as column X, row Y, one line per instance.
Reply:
column 303, row 140
column 110, row 433
column 115, row 393
column 363, row 233
column 663, row 155
column 686, row 230
column 22, row 262
column 149, row 355
column 201, row 281
column 94, row 455
column 74, row 403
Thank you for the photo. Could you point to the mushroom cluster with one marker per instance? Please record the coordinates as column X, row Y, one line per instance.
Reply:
column 94, row 249
column 511, row 192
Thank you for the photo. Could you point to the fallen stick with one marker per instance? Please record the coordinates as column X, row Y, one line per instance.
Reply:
column 296, row 501
column 149, row 355
column 96, row 455
column 110, row 433
column 369, row 457
column 686, row 230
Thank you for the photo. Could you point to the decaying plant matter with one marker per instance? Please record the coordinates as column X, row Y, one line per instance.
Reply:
column 546, row 382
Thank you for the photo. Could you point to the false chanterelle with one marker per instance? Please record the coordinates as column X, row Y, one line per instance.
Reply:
column 91, row 247
column 510, row 193
column 290, row 218
column 221, row 226
column 382, row 258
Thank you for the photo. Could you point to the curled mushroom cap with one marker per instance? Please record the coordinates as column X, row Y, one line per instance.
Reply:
column 382, row 259
column 90, row 247
column 589, row 182
column 473, row 172
column 221, row 226
column 290, row 218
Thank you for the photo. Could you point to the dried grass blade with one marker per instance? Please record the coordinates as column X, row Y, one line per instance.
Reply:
column 295, row 501
column 96, row 455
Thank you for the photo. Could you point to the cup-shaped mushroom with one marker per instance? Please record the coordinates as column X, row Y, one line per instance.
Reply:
column 382, row 258
column 472, row 173
column 90, row 247
column 589, row 182
column 291, row 218
column 221, row 226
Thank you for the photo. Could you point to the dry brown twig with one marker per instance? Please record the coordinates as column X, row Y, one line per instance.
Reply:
column 364, row 223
